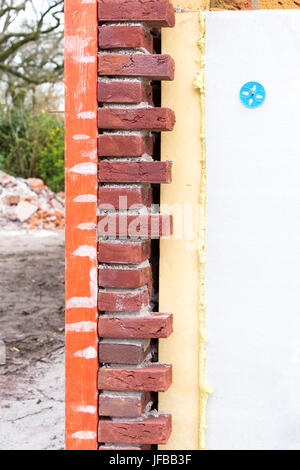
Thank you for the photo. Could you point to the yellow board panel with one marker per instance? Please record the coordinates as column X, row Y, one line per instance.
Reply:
column 179, row 259
column 191, row 4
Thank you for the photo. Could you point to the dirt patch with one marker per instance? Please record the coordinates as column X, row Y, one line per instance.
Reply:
column 32, row 293
column 32, row 414
column 32, row 334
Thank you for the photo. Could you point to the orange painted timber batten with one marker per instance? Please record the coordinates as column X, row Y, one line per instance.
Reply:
column 81, row 239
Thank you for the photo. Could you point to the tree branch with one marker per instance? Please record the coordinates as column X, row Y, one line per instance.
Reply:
column 16, row 59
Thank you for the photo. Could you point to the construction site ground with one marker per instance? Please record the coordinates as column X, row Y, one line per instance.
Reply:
column 31, row 339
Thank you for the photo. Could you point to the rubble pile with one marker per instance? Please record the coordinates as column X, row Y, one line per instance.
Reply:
column 30, row 204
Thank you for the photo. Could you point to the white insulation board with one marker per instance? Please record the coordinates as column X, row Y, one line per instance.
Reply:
column 253, row 231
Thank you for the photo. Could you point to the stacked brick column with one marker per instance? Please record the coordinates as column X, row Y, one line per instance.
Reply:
column 128, row 377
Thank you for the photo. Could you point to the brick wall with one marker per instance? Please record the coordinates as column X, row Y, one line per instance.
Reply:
column 129, row 121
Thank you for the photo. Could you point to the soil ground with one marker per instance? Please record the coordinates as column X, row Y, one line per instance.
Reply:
column 31, row 340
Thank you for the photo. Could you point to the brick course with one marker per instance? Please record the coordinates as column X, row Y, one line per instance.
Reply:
column 111, row 171
column 124, row 447
column 124, row 300
column 115, row 352
column 152, row 119
column 152, row 66
column 125, row 36
column 124, row 91
column 128, row 145
column 123, row 252
column 139, row 225
column 125, row 278
column 153, row 377
column 159, row 13
column 151, row 430
column 128, row 197
column 155, row 325
column 123, row 404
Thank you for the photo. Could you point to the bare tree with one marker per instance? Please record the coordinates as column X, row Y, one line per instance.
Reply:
column 31, row 34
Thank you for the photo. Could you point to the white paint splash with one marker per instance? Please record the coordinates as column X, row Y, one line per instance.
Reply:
column 87, row 226
column 81, row 302
column 82, row 327
column 81, row 137
column 85, row 198
column 91, row 154
column 84, row 435
column 85, row 168
column 87, row 353
column 86, row 115
column 86, row 250
column 76, row 44
column 87, row 409
column 86, row 302
column 87, row 59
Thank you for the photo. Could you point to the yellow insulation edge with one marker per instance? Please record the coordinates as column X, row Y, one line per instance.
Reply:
column 205, row 390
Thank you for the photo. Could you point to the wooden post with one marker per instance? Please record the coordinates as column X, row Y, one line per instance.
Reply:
column 81, row 210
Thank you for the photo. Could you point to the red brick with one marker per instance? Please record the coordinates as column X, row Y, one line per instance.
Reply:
column 155, row 378
column 124, row 447
column 125, row 278
column 135, row 172
column 123, row 252
column 158, row 13
column 152, row 119
column 139, row 225
column 124, row 300
column 156, row 325
column 123, row 404
column 123, row 91
column 125, row 36
column 116, row 352
column 151, row 66
column 150, row 430
column 124, row 145
column 126, row 197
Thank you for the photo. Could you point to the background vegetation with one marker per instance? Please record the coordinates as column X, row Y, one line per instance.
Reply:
column 32, row 145
column 31, row 70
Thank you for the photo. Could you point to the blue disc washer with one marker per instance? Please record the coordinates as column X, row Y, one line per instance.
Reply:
column 252, row 94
